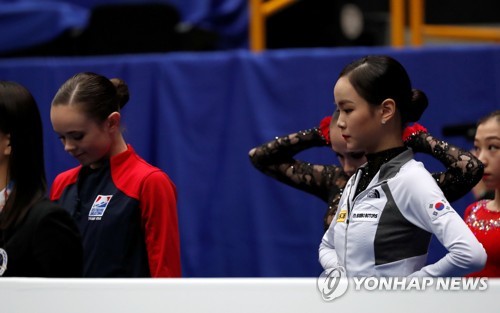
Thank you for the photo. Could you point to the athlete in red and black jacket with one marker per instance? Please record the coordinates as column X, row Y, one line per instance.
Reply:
column 125, row 208
column 126, row 212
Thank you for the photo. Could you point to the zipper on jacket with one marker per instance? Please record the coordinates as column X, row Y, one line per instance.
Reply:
column 348, row 215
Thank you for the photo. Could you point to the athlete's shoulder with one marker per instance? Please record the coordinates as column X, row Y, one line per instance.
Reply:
column 130, row 171
column 475, row 206
column 131, row 166
column 63, row 180
column 416, row 171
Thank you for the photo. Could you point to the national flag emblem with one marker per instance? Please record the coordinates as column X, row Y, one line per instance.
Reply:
column 100, row 204
column 439, row 208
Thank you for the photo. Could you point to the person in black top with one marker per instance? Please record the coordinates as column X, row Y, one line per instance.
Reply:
column 37, row 237
column 276, row 159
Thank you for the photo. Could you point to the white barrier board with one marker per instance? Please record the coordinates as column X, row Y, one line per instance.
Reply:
column 232, row 295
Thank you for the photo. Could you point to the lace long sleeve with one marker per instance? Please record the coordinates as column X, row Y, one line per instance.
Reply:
column 463, row 169
column 276, row 159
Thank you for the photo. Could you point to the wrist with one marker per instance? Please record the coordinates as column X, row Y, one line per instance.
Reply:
column 411, row 132
column 324, row 129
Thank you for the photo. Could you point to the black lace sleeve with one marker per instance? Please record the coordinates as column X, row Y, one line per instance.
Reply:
column 276, row 159
column 463, row 170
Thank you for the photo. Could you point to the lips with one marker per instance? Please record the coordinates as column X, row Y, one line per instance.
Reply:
column 77, row 156
column 346, row 137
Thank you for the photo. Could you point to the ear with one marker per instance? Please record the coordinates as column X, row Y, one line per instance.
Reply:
column 388, row 110
column 113, row 121
column 8, row 149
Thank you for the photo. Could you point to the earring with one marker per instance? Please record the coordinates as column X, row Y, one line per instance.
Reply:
column 383, row 122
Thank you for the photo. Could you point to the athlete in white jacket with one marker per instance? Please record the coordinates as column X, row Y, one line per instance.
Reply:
column 392, row 206
column 386, row 229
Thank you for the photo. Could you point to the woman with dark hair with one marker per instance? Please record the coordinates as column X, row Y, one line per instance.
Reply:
column 392, row 205
column 276, row 158
column 125, row 208
column 483, row 216
column 37, row 237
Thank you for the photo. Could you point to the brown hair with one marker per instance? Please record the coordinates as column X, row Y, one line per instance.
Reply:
column 97, row 95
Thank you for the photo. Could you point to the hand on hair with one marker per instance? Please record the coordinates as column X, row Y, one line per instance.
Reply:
column 324, row 128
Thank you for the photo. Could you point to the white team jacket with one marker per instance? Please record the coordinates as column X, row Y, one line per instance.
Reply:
column 386, row 229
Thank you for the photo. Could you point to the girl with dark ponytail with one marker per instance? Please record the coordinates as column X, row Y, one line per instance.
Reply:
column 392, row 205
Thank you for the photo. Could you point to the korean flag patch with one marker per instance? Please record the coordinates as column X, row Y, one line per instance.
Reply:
column 439, row 208
column 100, row 204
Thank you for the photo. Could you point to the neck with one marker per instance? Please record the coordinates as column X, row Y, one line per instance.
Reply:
column 386, row 144
column 386, row 154
column 494, row 205
column 119, row 146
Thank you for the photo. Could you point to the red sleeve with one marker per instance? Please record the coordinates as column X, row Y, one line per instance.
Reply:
column 158, row 202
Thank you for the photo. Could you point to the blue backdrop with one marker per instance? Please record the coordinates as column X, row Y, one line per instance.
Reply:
column 196, row 116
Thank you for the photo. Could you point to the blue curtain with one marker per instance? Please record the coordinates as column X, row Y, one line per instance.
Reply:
column 196, row 116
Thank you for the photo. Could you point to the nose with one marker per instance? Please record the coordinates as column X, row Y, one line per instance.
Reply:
column 68, row 146
column 340, row 123
column 482, row 157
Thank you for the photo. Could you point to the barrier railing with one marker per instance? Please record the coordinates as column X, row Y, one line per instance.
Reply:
column 260, row 10
column 291, row 295
column 419, row 29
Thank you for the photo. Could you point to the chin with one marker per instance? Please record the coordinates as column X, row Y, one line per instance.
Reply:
column 84, row 162
column 353, row 147
column 490, row 185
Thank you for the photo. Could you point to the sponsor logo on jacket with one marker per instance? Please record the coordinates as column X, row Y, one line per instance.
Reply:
column 99, row 207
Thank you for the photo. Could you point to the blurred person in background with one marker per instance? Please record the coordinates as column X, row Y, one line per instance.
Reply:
column 38, row 238
column 483, row 216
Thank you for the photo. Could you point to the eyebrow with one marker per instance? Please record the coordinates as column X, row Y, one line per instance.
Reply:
column 492, row 137
column 489, row 138
column 71, row 132
column 344, row 101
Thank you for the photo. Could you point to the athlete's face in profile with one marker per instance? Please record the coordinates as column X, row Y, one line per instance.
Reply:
column 487, row 150
column 83, row 138
column 357, row 120
column 350, row 161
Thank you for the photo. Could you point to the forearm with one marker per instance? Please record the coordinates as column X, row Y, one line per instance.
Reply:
column 327, row 253
column 283, row 149
column 161, row 230
column 276, row 159
column 465, row 253
column 463, row 169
